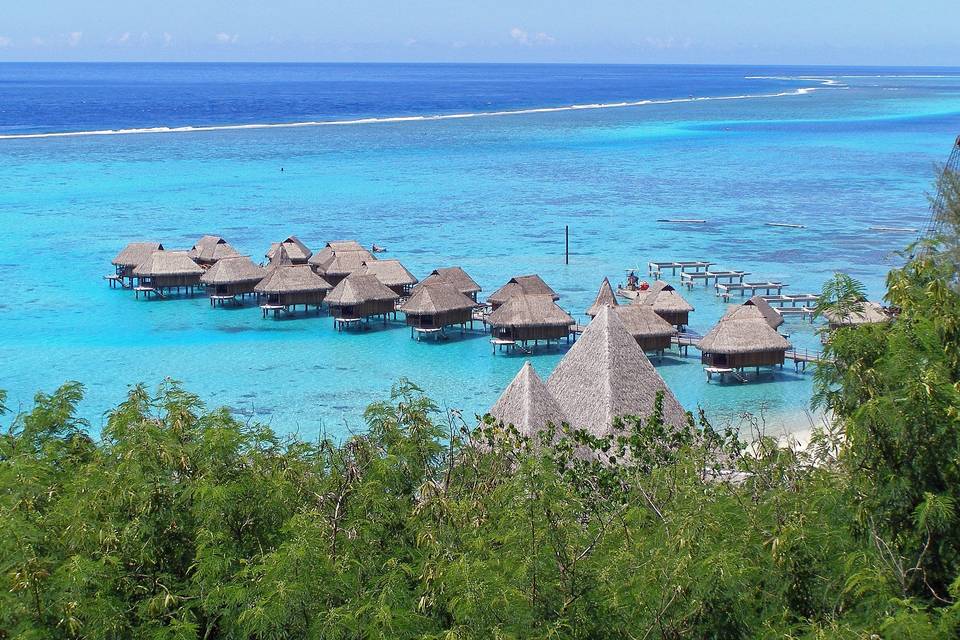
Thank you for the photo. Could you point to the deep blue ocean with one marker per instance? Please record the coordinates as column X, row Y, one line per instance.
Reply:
column 476, row 165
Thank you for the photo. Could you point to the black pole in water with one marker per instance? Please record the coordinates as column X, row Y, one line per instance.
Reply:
column 566, row 230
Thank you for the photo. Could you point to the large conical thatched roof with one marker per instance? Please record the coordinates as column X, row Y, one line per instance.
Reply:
column 356, row 289
column 767, row 312
column 605, row 298
column 135, row 253
column 167, row 263
column 530, row 311
column 211, row 249
column 291, row 278
column 455, row 276
column 438, row 297
column 664, row 298
column 742, row 334
column 529, row 285
column 297, row 251
column 605, row 374
column 642, row 321
column 390, row 272
column 233, row 270
column 865, row 313
column 527, row 404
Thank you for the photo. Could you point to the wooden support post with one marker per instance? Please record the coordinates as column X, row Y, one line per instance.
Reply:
column 566, row 231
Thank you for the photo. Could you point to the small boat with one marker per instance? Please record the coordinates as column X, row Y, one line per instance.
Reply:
column 895, row 229
column 378, row 249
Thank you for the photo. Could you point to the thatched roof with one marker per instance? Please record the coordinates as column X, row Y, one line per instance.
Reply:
column 746, row 331
column 529, row 285
column 291, row 278
column 357, row 289
column 605, row 374
column 297, row 251
column 438, row 297
column 327, row 257
column 455, row 276
column 211, row 249
column 527, row 404
column 135, row 253
column 663, row 297
column 390, row 272
column 233, row 270
column 866, row 313
column 343, row 263
column 642, row 321
column 530, row 311
column 605, row 298
column 167, row 263
column 345, row 245
column 771, row 315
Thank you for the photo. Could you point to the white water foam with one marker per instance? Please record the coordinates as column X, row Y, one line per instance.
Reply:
column 426, row 118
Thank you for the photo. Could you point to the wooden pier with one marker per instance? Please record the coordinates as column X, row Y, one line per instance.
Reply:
column 801, row 357
column 725, row 290
column 781, row 300
column 656, row 268
column 688, row 278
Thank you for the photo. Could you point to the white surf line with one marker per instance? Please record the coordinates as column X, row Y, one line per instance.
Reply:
column 428, row 118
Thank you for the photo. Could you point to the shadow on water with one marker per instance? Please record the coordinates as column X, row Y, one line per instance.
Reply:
column 449, row 338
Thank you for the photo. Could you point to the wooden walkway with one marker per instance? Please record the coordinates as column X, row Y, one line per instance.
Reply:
column 725, row 290
column 688, row 278
column 655, row 268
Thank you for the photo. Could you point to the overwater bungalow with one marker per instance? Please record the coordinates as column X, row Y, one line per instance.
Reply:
column 528, row 285
column 358, row 298
column 457, row 277
column 345, row 245
column 666, row 302
column 651, row 332
column 230, row 277
column 209, row 249
column 288, row 285
column 321, row 258
column 341, row 264
column 742, row 338
column 166, row 271
column 527, row 404
column 296, row 251
column 391, row 273
column 129, row 258
column 864, row 313
column 606, row 375
column 605, row 298
column 529, row 318
column 435, row 306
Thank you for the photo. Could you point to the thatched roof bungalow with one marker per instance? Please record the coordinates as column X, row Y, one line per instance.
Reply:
column 605, row 375
column 436, row 306
column 165, row 270
column 605, row 298
column 287, row 285
column 209, row 249
column 666, row 302
column 132, row 255
column 457, row 277
column 297, row 252
column 345, row 245
column 528, row 285
column 651, row 332
column 232, row 276
column 742, row 338
column 864, row 313
column 391, row 273
column 527, row 404
column 342, row 264
column 525, row 318
column 359, row 297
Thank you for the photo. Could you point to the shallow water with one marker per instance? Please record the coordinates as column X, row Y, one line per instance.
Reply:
column 491, row 194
